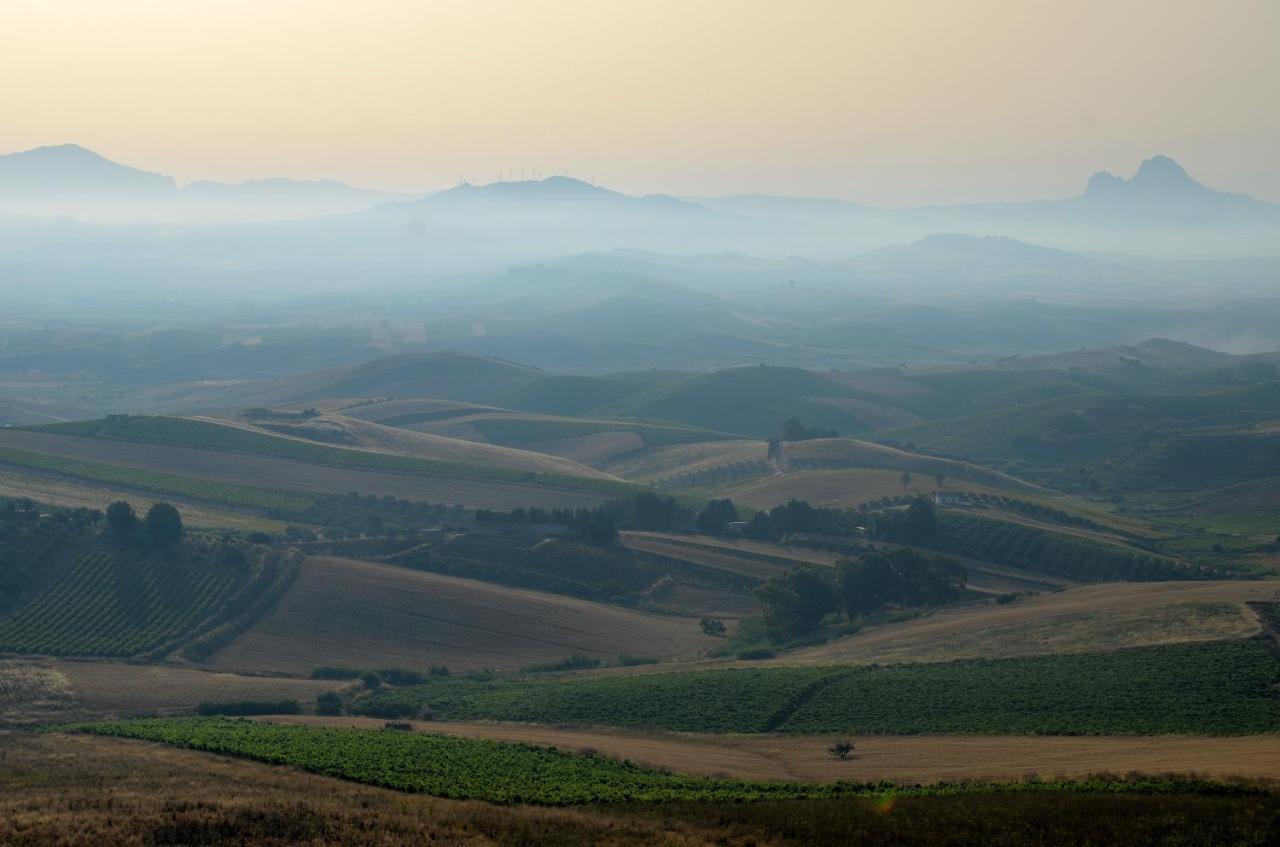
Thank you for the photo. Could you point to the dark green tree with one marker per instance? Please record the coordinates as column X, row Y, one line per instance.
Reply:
column 713, row 518
column 797, row 601
column 122, row 521
column 164, row 526
column 922, row 521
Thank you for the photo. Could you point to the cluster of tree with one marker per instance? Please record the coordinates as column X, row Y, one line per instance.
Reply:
column 717, row 514
column 600, row 525
column 800, row 516
column 161, row 529
column 917, row 524
column 793, row 429
column 727, row 472
column 797, row 601
column 32, row 543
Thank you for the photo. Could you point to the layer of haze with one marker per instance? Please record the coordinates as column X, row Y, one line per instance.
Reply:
column 890, row 103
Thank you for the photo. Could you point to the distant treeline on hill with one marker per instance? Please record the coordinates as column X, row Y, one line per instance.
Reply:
column 600, row 524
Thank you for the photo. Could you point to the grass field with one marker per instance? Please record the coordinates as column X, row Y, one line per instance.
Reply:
column 112, row 604
column 360, row 614
column 210, row 434
column 1078, row 620
column 35, row 691
column 896, row 758
column 1215, row 688
column 231, row 477
column 76, row 493
column 53, row 795
column 143, row 479
column 425, row 446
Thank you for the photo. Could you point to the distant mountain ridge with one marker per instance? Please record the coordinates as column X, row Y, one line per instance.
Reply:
column 71, row 180
column 336, row 230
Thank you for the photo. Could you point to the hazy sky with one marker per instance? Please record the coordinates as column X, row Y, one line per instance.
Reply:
column 893, row 103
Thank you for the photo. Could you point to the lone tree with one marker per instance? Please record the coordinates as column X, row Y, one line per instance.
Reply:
column 841, row 749
column 121, row 520
column 906, row 479
column 164, row 526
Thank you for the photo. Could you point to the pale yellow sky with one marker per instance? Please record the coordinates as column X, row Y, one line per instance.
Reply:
column 893, row 103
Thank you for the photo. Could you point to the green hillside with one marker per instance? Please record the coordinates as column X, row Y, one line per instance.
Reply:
column 748, row 401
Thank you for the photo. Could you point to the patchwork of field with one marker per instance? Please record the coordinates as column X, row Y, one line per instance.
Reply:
column 364, row 615
column 763, row 559
column 352, row 433
column 662, row 462
column 1083, row 619
column 281, row 474
column 901, row 759
column 35, row 690
column 74, row 493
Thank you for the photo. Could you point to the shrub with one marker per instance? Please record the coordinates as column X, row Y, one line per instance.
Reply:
column 328, row 703
column 841, row 749
column 334, row 673
column 249, row 707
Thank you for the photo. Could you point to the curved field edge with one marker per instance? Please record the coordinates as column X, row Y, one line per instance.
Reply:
column 231, row 494
column 503, row 772
column 1210, row 688
column 205, row 435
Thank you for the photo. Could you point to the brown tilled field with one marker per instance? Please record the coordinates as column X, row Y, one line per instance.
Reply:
column 366, row 435
column 741, row 556
column 296, row 476
column 35, row 690
column 896, row 758
column 597, row 449
column 1077, row 620
column 727, row 556
column 364, row 615
column 661, row 462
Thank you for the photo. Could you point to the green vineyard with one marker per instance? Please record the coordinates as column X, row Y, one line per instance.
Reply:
column 114, row 605
column 1213, row 688
column 498, row 772
column 1020, row 546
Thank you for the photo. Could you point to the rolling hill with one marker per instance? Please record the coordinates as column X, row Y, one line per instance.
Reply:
column 364, row 615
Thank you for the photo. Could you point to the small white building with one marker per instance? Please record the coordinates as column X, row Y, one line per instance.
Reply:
column 950, row 498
